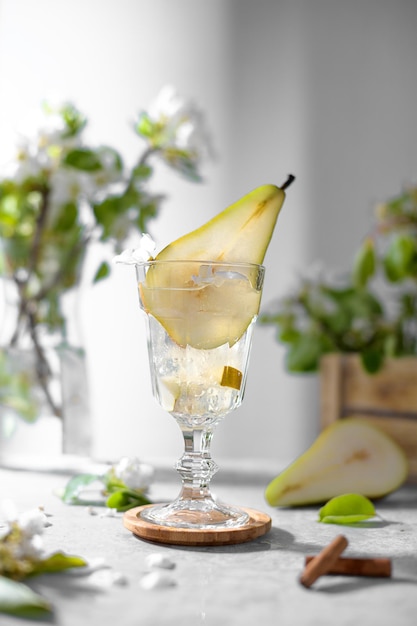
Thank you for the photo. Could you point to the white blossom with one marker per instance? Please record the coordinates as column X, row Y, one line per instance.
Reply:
column 184, row 123
column 45, row 126
column 32, row 522
column 133, row 473
column 25, row 164
column 144, row 252
column 65, row 186
column 30, row 548
column 168, row 105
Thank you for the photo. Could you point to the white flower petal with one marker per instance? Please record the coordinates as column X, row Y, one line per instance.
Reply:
column 144, row 252
column 106, row 578
column 32, row 547
column 32, row 522
column 108, row 512
column 160, row 560
column 167, row 104
column 133, row 473
column 157, row 580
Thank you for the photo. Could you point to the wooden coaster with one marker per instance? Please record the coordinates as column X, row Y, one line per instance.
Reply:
column 259, row 524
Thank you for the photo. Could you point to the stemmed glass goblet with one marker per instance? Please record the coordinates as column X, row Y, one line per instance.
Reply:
column 200, row 318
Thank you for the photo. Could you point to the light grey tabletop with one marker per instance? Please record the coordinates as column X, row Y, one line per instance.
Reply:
column 232, row 585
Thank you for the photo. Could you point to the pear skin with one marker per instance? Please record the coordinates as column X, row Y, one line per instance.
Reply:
column 350, row 456
column 240, row 233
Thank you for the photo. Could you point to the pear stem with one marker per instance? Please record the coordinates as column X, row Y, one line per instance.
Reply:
column 288, row 182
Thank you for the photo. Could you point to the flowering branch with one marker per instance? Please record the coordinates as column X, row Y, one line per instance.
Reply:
column 60, row 196
column 22, row 555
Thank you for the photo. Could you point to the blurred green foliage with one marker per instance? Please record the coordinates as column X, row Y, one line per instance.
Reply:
column 60, row 195
column 371, row 310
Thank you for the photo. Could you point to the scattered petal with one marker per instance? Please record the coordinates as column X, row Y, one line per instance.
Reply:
column 158, row 559
column 157, row 580
column 105, row 578
column 108, row 512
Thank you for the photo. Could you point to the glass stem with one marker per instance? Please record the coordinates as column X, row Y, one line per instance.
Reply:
column 196, row 466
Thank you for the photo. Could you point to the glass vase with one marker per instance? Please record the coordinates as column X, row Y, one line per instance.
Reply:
column 44, row 398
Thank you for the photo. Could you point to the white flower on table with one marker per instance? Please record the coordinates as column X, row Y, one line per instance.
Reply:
column 32, row 522
column 30, row 525
column 134, row 474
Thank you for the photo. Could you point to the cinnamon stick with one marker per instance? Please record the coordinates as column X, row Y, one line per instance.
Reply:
column 373, row 567
column 321, row 564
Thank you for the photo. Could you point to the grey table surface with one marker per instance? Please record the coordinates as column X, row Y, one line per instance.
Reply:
column 229, row 585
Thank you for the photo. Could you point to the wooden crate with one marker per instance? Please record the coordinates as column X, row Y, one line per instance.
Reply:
column 387, row 399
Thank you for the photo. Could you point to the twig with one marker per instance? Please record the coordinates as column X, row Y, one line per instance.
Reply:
column 43, row 369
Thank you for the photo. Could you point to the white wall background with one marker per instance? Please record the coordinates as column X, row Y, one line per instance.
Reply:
column 325, row 89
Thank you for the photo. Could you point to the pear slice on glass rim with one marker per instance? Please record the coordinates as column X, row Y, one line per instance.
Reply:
column 174, row 293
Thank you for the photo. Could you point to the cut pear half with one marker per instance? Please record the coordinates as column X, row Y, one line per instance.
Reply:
column 190, row 299
column 350, row 456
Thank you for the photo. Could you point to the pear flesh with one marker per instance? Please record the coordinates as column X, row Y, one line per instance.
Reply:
column 240, row 233
column 350, row 456
column 202, row 314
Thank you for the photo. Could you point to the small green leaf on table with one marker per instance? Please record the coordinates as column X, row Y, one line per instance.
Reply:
column 75, row 487
column 349, row 508
column 19, row 599
column 58, row 562
column 125, row 499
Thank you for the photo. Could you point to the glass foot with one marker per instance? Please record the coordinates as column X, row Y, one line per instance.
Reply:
column 195, row 514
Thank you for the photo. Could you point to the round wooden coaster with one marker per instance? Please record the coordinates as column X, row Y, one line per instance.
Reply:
column 259, row 524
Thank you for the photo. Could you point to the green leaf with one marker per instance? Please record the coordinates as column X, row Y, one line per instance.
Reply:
column 372, row 359
column 83, row 159
column 126, row 499
column 66, row 218
column 110, row 156
column 58, row 562
column 102, row 272
column 398, row 262
column 145, row 126
column 19, row 599
column 349, row 508
column 75, row 487
column 181, row 161
column 106, row 213
column 73, row 118
column 364, row 264
column 305, row 352
column 141, row 172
